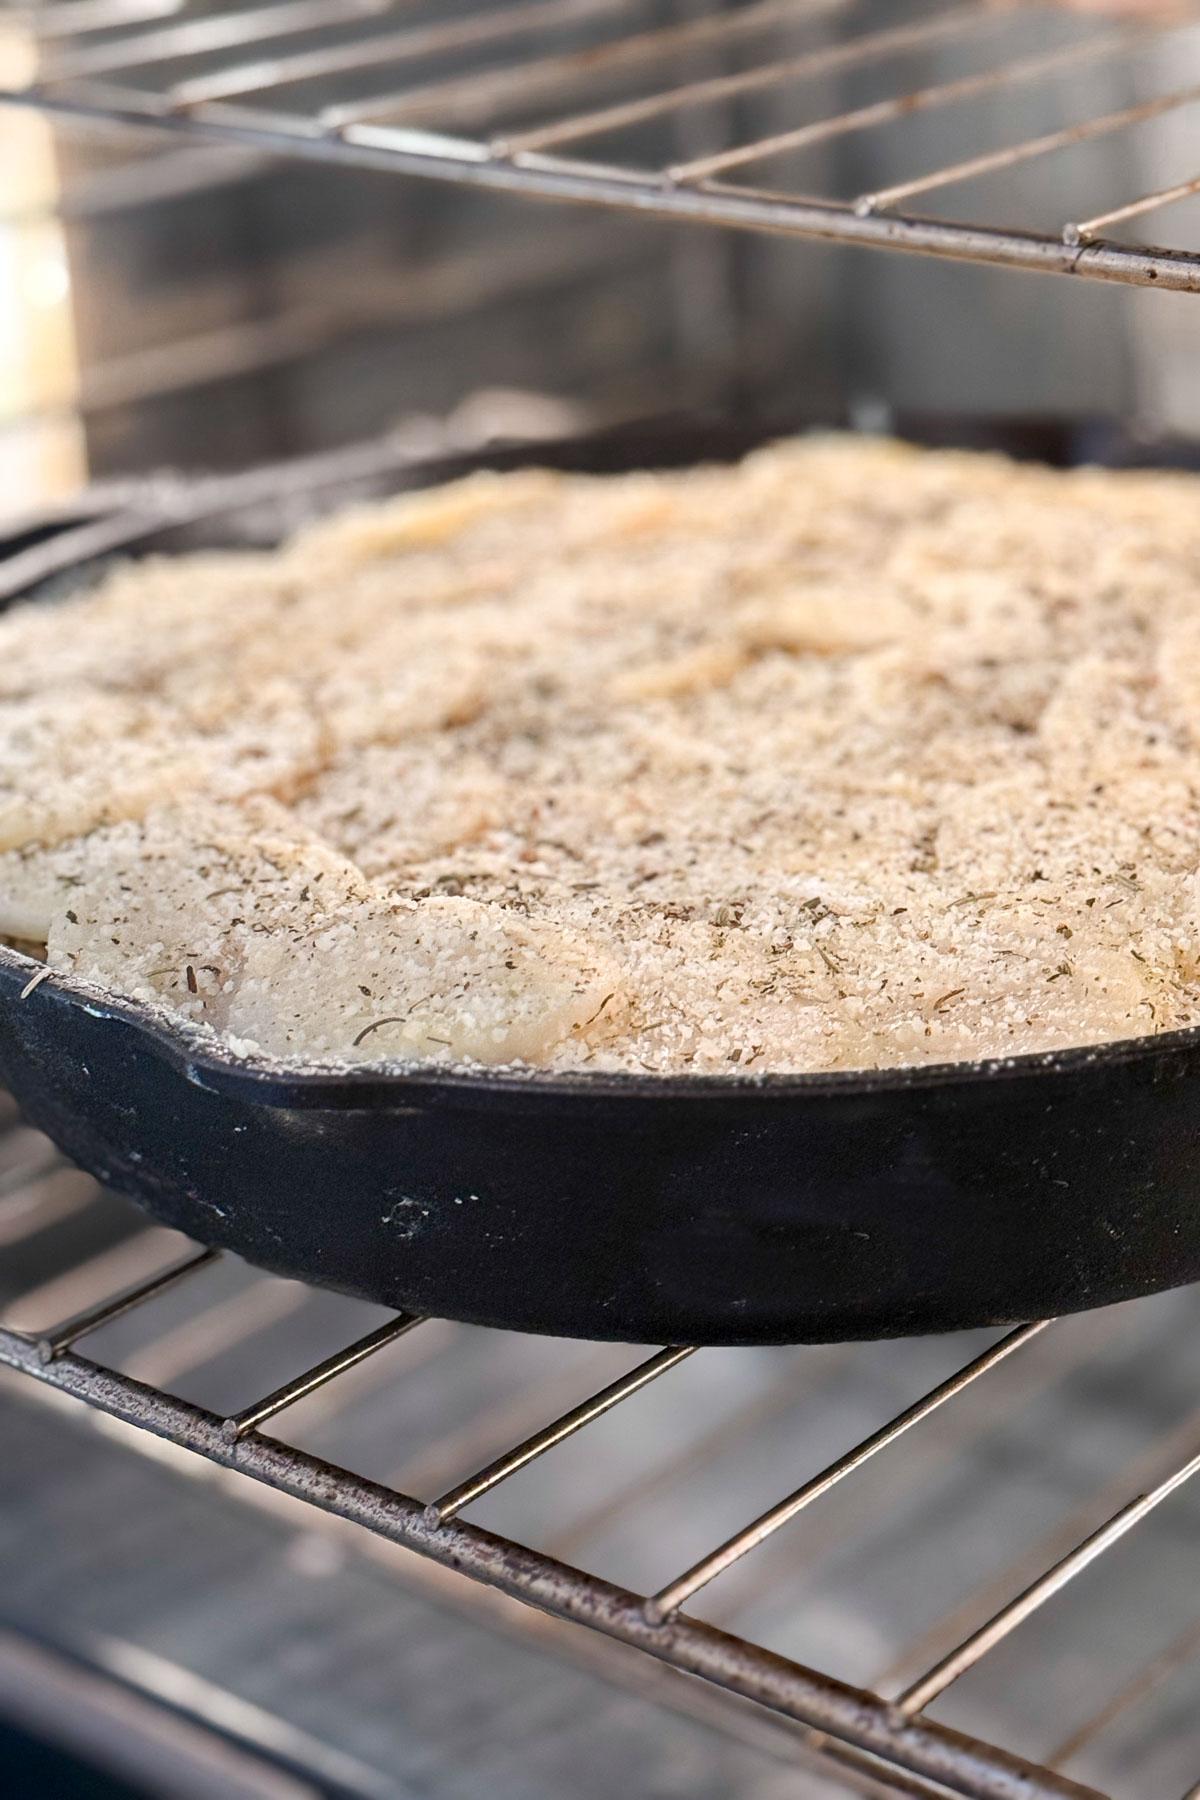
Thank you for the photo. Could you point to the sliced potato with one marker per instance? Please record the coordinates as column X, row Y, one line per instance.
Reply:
column 441, row 980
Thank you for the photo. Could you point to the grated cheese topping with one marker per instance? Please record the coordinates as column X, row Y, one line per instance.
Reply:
column 853, row 756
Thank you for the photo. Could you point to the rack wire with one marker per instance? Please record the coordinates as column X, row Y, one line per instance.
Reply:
column 731, row 116
column 880, row 1736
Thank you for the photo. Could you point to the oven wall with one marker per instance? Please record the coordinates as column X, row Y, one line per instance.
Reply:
column 287, row 309
column 226, row 308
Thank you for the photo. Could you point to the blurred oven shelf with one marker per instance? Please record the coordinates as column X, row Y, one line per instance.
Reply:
column 627, row 105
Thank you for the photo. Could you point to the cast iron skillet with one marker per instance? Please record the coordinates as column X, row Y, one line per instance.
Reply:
column 687, row 1210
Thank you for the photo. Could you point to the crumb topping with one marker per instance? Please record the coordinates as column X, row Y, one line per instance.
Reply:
column 849, row 757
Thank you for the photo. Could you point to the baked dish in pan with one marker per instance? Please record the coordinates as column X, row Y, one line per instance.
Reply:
column 851, row 756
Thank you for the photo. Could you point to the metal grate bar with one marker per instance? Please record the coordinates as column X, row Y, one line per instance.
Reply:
column 659, row 1683
column 957, row 1436
column 15, row 1180
column 923, row 1692
column 219, row 31
column 215, row 1330
column 72, row 18
column 779, row 1396
column 1181, row 1651
column 484, row 1434
column 433, row 157
column 1027, row 149
column 901, row 106
column 1134, row 209
column 669, row 1599
column 151, row 180
column 487, row 86
column 452, row 1503
column 891, row 41
column 365, row 1377
column 860, row 1728
column 984, row 1599
column 52, row 1196
column 241, row 1424
column 528, row 157
column 963, row 1765
column 400, row 46
column 54, row 1342
column 61, row 1295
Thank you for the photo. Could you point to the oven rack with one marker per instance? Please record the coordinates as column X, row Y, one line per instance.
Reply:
column 517, row 97
column 887, row 1743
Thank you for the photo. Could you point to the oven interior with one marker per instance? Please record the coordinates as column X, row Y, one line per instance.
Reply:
column 299, row 231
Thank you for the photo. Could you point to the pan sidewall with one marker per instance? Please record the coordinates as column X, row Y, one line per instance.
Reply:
column 757, row 1216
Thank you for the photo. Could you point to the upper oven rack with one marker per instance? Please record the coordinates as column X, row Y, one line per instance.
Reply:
column 248, row 76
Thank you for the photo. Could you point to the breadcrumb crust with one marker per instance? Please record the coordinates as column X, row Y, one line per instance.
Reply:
column 853, row 756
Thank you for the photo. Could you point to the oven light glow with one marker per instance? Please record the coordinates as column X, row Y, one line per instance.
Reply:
column 47, row 282
column 42, row 447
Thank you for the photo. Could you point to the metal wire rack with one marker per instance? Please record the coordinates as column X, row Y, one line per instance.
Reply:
column 880, row 1737
column 743, row 115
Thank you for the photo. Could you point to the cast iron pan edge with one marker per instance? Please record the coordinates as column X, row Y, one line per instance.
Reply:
column 641, row 1209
